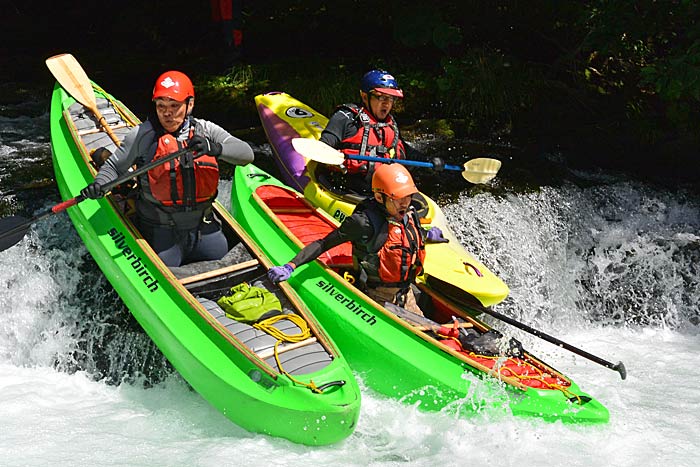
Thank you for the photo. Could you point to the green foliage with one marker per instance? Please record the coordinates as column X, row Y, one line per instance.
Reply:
column 649, row 51
column 597, row 74
column 485, row 88
column 238, row 82
column 415, row 27
column 231, row 96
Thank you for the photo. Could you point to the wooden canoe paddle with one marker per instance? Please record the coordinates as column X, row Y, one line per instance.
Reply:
column 71, row 76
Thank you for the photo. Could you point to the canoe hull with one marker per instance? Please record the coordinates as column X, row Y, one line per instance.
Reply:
column 390, row 356
column 215, row 363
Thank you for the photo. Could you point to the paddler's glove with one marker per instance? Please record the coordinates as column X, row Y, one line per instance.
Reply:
column 434, row 235
column 280, row 273
column 202, row 145
column 92, row 191
column 438, row 164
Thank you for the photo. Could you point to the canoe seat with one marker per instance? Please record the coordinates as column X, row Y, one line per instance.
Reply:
column 220, row 272
column 90, row 131
column 237, row 259
column 282, row 348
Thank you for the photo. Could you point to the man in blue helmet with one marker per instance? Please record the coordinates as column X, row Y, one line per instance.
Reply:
column 370, row 129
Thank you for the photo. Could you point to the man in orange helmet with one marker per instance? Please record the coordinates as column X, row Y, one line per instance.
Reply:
column 174, row 205
column 388, row 243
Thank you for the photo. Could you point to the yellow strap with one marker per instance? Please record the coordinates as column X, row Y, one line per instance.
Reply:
column 266, row 325
column 349, row 277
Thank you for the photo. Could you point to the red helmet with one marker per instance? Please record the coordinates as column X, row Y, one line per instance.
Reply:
column 173, row 84
column 393, row 180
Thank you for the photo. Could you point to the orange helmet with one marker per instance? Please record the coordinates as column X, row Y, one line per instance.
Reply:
column 173, row 84
column 393, row 180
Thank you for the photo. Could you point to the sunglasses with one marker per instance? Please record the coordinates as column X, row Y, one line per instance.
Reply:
column 383, row 97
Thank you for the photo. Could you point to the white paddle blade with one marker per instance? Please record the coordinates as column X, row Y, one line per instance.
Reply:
column 69, row 74
column 317, row 151
column 481, row 170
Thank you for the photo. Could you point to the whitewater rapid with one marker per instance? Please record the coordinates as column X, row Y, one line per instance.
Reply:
column 609, row 266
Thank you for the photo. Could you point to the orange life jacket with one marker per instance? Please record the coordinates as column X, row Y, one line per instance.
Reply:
column 396, row 253
column 186, row 181
column 373, row 138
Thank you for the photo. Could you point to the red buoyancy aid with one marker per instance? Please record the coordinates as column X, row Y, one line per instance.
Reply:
column 395, row 255
column 373, row 138
column 402, row 256
column 185, row 181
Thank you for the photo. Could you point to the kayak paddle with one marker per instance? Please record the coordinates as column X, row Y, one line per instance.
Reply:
column 479, row 170
column 619, row 366
column 71, row 76
column 13, row 228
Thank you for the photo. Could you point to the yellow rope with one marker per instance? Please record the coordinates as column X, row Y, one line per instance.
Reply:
column 266, row 325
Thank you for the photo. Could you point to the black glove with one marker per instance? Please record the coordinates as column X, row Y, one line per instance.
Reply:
column 202, row 145
column 92, row 191
column 438, row 164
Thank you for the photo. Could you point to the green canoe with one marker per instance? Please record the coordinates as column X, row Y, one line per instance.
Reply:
column 297, row 386
column 396, row 353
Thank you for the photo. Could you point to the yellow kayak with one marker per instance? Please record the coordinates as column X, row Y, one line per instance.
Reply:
column 449, row 267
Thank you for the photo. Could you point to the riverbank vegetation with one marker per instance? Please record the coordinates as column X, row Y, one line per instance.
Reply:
column 608, row 84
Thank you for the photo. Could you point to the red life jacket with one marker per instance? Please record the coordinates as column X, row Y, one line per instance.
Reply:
column 185, row 181
column 373, row 138
column 396, row 253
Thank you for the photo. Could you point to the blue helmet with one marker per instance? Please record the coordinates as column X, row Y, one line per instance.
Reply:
column 380, row 81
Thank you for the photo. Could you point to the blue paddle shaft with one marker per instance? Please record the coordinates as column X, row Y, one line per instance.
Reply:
column 403, row 161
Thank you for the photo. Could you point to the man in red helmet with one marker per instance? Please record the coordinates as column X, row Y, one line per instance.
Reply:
column 369, row 129
column 388, row 243
column 174, row 205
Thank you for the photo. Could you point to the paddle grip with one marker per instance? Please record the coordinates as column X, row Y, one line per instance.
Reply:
column 66, row 204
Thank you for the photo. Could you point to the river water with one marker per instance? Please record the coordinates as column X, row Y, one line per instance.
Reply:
column 609, row 266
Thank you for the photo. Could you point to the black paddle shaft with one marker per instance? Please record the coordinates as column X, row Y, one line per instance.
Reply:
column 13, row 228
column 619, row 366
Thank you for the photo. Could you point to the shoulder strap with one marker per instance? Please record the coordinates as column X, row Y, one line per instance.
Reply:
column 380, row 226
column 352, row 107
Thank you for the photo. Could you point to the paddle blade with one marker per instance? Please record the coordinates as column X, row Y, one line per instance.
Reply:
column 317, row 151
column 620, row 368
column 481, row 170
column 12, row 230
column 71, row 76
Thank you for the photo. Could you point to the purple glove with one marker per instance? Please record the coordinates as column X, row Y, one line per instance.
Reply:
column 280, row 273
column 434, row 235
